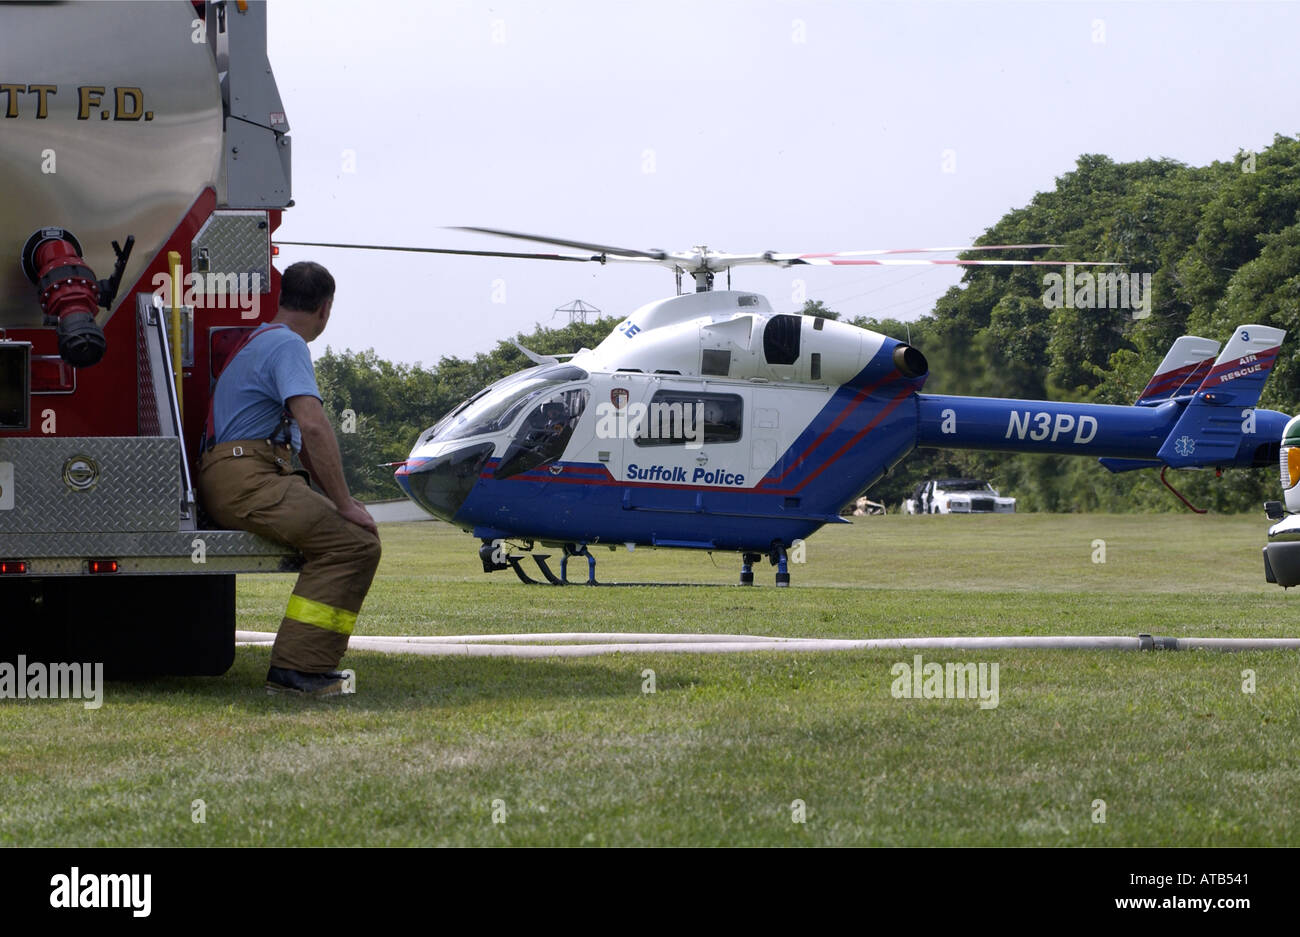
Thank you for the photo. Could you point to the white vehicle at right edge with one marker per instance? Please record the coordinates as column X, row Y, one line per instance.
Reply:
column 957, row 496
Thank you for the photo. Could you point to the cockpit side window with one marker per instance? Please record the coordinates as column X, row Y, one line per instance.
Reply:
column 544, row 432
column 494, row 409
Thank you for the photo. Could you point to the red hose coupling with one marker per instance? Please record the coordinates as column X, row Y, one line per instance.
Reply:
column 68, row 293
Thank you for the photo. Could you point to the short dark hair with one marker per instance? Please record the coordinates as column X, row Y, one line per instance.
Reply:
column 304, row 286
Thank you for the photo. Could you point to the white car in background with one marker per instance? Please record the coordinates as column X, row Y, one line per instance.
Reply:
column 957, row 496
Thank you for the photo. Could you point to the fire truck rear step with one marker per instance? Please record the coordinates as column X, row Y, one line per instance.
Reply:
column 75, row 498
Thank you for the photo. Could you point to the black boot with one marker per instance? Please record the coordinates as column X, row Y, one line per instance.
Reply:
column 297, row 683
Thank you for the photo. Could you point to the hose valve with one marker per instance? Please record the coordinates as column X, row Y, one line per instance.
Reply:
column 69, row 293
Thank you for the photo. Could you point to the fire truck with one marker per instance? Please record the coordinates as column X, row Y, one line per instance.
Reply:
column 145, row 163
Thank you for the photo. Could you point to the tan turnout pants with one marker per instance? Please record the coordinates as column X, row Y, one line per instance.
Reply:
column 251, row 485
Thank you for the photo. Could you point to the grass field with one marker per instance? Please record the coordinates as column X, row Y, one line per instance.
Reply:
column 574, row 752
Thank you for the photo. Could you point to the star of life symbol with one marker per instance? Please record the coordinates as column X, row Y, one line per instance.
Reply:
column 1185, row 445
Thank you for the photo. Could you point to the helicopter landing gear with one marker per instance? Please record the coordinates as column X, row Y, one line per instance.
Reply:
column 495, row 556
column 538, row 558
column 574, row 550
column 778, row 558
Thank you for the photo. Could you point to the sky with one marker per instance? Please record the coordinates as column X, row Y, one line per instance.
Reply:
column 744, row 126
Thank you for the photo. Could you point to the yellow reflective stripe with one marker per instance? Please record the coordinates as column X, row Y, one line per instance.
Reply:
column 320, row 615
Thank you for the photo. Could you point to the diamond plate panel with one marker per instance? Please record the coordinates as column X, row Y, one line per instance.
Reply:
column 79, row 484
column 147, row 419
column 233, row 242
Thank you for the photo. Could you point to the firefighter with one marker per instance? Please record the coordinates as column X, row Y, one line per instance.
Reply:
column 265, row 407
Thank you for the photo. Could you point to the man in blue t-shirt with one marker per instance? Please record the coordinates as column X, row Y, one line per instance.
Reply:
column 266, row 406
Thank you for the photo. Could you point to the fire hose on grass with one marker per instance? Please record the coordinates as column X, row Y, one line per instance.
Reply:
column 584, row 644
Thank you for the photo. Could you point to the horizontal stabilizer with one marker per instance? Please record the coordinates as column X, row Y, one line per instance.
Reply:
column 1183, row 369
column 1238, row 375
column 1211, row 430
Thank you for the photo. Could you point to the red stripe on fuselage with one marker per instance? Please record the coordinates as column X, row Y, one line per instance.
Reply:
column 857, row 438
column 852, row 405
column 543, row 475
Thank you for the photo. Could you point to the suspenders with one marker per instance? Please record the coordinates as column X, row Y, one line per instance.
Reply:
column 209, row 427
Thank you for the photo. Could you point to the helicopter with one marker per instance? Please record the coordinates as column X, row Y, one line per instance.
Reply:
column 710, row 421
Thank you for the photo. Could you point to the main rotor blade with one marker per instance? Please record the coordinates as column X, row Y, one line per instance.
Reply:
column 837, row 261
column 919, row 250
column 717, row 260
column 442, row 250
column 579, row 245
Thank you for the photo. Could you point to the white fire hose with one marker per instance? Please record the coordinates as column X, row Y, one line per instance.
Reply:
column 583, row 644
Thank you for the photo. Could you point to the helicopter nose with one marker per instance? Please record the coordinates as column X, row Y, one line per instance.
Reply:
column 440, row 485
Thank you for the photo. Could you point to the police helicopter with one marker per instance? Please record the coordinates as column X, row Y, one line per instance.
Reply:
column 710, row 421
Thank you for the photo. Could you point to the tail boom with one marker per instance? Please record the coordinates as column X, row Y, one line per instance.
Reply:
column 1131, row 437
column 1005, row 425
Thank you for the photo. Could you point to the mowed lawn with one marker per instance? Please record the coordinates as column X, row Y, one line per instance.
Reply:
column 729, row 749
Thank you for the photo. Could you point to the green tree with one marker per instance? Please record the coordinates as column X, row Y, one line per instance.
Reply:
column 1222, row 246
column 815, row 307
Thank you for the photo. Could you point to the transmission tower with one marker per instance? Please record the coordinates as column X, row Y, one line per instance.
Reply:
column 579, row 311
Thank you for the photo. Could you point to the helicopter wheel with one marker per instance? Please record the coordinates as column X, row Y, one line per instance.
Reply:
column 778, row 558
column 747, row 561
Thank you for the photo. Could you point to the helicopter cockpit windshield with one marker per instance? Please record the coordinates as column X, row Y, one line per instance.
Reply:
column 496, row 407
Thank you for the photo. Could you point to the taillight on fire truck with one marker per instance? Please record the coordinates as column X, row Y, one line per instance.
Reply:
column 12, row 567
column 103, row 566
